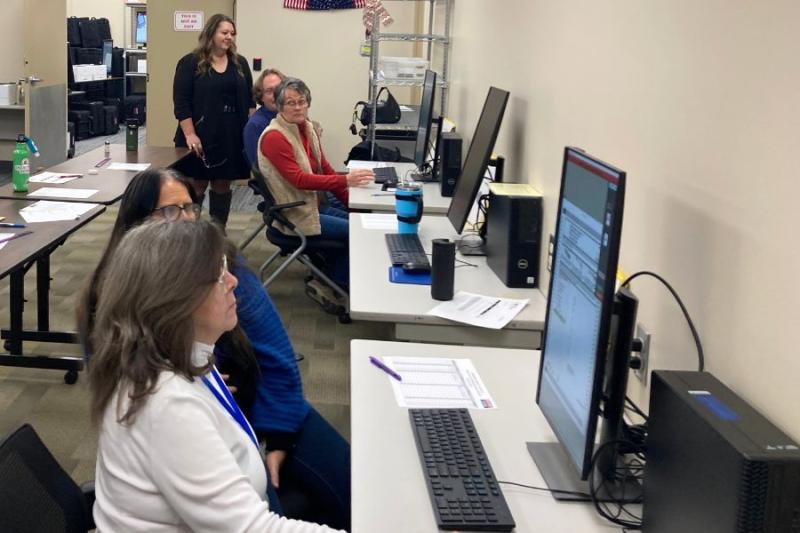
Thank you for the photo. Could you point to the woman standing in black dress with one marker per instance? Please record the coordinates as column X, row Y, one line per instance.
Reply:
column 212, row 95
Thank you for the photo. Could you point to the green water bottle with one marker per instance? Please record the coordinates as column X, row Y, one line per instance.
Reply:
column 20, row 165
column 132, row 135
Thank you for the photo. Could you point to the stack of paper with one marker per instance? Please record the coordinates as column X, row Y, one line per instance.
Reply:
column 478, row 310
column 133, row 167
column 61, row 192
column 54, row 211
column 53, row 177
column 379, row 221
column 437, row 382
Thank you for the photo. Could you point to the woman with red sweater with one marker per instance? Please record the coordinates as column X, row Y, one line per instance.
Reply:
column 291, row 159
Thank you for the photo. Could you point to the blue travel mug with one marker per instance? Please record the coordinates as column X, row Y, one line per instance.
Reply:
column 408, row 205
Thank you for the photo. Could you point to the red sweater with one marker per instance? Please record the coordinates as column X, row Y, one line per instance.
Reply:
column 279, row 151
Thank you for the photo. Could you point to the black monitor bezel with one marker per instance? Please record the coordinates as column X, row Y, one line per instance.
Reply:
column 601, row 350
column 461, row 218
column 109, row 64
column 424, row 126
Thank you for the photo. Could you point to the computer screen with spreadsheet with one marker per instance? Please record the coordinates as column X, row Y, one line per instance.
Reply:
column 580, row 302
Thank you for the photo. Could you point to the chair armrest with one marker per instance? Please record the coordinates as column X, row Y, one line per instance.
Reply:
column 275, row 213
column 88, row 494
column 281, row 207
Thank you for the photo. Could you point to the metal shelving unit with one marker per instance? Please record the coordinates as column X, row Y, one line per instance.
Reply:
column 432, row 39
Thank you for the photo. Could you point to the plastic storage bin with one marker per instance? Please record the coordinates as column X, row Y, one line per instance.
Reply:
column 402, row 68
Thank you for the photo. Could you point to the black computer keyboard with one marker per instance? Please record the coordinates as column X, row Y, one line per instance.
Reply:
column 383, row 174
column 461, row 483
column 405, row 249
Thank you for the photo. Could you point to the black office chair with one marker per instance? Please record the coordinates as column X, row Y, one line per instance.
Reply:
column 309, row 251
column 36, row 494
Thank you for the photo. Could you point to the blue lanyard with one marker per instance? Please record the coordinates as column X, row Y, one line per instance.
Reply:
column 228, row 403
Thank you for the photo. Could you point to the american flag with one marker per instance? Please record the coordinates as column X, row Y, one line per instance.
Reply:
column 322, row 5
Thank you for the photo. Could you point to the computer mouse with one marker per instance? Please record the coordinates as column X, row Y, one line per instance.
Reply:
column 416, row 267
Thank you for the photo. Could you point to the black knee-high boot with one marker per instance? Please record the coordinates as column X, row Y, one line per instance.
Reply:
column 219, row 205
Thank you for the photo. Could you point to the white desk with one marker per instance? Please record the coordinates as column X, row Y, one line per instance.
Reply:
column 388, row 488
column 373, row 297
column 372, row 198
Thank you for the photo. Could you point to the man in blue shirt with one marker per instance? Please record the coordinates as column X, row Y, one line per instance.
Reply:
column 263, row 90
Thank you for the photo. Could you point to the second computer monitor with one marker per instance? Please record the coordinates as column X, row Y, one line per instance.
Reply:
column 425, row 119
column 480, row 150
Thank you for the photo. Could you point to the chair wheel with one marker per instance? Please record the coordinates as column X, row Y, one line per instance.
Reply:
column 345, row 319
column 7, row 346
column 71, row 377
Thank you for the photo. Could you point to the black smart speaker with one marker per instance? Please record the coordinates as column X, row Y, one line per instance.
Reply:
column 443, row 269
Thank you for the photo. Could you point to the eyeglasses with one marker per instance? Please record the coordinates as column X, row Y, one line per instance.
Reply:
column 296, row 103
column 221, row 279
column 173, row 212
column 214, row 165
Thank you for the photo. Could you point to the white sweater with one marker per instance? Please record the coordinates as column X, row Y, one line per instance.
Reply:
column 183, row 465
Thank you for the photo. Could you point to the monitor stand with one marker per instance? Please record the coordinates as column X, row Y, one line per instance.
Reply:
column 559, row 473
column 470, row 245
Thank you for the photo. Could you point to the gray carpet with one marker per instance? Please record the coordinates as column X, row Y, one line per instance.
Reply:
column 58, row 411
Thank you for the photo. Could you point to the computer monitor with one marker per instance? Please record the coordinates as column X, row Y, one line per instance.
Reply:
column 574, row 367
column 140, row 36
column 108, row 46
column 425, row 119
column 480, row 150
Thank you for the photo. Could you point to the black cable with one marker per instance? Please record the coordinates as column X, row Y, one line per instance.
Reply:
column 602, row 510
column 635, row 408
column 547, row 489
column 700, row 356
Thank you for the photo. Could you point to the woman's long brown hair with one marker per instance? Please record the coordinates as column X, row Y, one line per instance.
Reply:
column 206, row 45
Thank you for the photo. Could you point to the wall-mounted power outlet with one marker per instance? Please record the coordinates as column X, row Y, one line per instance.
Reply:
column 644, row 336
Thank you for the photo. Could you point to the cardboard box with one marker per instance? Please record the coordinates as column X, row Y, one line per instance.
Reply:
column 82, row 72
column 99, row 72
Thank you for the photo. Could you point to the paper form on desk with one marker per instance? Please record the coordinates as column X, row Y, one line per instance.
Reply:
column 354, row 165
column 53, row 177
column 43, row 211
column 4, row 236
column 62, row 192
column 133, row 167
column 478, row 310
column 431, row 382
column 379, row 221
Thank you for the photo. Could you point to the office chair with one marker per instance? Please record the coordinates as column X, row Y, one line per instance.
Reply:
column 36, row 494
column 310, row 252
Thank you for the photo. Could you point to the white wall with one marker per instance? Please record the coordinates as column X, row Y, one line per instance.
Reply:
column 113, row 10
column 698, row 102
column 12, row 65
column 321, row 47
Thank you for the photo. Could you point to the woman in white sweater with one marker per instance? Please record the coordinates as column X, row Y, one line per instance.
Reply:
column 175, row 452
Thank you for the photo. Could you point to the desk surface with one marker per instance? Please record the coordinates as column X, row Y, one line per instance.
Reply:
column 373, row 297
column 388, row 487
column 45, row 234
column 371, row 197
column 110, row 184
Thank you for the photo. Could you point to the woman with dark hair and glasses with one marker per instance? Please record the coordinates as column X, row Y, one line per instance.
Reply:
column 213, row 100
column 175, row 452
column 307, row 459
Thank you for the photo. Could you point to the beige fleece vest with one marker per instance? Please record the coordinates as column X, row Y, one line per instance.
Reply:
column 305, row 217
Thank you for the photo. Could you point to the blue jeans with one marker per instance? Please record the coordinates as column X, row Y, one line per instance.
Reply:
column 315, row 477
column 335, row 226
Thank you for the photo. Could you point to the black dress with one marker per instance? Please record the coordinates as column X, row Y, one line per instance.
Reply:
column 219, row 105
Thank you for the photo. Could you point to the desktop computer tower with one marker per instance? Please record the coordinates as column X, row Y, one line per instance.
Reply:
column 715, row 464
column 514, row 233
column 450, row 162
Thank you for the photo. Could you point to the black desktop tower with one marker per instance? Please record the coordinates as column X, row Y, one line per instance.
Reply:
column 714, row 464
column 450, row 162
column 514, row 234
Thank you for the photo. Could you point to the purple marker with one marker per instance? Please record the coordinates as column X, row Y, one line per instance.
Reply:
column 377, row 362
